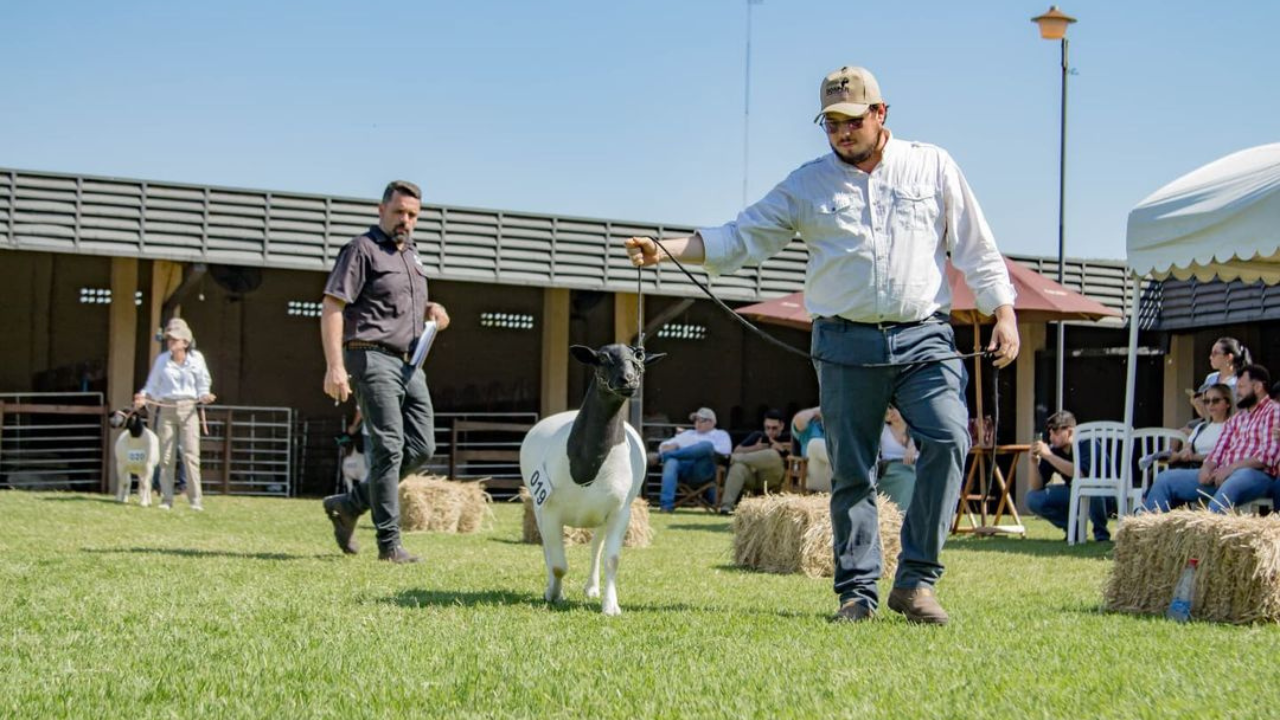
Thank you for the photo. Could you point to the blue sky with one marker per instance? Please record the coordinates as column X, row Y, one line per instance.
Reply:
column 634, row 110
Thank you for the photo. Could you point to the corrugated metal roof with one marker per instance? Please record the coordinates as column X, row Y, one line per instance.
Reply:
column 234, row 226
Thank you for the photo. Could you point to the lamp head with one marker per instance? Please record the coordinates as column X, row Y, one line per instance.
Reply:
column 1053, row 23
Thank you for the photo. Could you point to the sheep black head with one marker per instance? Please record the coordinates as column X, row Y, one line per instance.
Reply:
column 134, row 421
column 618, row 367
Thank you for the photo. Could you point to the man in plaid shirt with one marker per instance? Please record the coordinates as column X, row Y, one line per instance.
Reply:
column 1244, row 463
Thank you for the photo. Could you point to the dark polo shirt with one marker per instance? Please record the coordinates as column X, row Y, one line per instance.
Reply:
column 385, row 290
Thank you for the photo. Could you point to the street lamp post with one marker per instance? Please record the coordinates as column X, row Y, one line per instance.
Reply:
column 746, row 107
column 1053, row 26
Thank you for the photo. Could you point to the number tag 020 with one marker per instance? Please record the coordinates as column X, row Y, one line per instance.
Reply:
column 136, row 456
column 539, row 486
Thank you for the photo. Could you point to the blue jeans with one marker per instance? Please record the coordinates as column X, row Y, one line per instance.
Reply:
column 1180, row 486
column 930, row 396
column 692, row 465
column 1053, row 503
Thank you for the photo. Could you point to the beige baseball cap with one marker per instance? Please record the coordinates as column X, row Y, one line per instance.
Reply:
column 705, row 413
column 848, row 91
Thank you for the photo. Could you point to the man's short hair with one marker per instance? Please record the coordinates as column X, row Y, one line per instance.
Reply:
column 1257, row 373
column 1061, row 419
column 403, row 187
column 774, row 414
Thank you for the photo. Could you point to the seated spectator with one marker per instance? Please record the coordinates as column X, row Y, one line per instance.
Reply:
column 1228, row 357
column 1053, row 502
column 758, row 462
column 1243, row 463
column 690, row 456
column 896, row 471
column 1202, row 438
column 811, row 443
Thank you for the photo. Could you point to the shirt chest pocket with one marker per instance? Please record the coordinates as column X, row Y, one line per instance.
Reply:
column 915, row 208
column 839, row 213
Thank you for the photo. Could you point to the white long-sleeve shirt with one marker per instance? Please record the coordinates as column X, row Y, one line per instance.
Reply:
column 878, row 241
column 719, row 440
column 170, row 381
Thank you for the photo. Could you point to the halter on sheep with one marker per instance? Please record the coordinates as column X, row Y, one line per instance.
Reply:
column 583, row 469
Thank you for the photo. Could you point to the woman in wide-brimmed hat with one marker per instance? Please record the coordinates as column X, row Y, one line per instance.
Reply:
column 178, row 381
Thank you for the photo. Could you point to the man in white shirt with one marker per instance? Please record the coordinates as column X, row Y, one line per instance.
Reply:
column 879, row 216
column 690, row 457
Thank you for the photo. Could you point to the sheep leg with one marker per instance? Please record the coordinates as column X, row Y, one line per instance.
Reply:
column 616, row 530
column 593, row 576
column 144, row 485
column 553, row 550
column 122, row 483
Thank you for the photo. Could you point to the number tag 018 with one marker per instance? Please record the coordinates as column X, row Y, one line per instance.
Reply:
column 539, row 486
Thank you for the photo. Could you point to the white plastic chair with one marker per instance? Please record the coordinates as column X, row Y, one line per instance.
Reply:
column 1147, row 442
column 1108, row 474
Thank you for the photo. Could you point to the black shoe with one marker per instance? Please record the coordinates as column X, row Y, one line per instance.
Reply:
column 398, row 555
column 344, row 524
column 725, row 511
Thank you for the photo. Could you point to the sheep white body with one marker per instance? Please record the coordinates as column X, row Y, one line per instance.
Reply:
column 604, row 505
column 136, row 456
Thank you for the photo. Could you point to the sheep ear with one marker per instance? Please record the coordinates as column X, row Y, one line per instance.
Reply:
column 650, row 359
column 584, row 354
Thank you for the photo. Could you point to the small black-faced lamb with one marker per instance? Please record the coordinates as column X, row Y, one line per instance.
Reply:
column 583, row 468
column 137, row 451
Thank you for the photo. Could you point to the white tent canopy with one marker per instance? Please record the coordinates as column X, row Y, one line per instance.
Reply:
column 1220, row 221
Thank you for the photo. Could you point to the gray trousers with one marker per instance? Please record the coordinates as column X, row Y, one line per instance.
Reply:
column 399, row 425
column 930, row 396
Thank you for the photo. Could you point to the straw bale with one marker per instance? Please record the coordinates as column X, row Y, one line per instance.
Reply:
column 435, row 504
column 792, row 534
column 1238, row 580
column 639, row 532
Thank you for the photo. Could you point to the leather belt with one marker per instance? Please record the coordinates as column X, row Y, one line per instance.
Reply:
column 376, row 347
column 894, row 325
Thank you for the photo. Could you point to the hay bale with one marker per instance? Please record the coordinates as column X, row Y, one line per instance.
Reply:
column 792, row 534
column 429, row 503
column 1238, row 580
column 639, row 533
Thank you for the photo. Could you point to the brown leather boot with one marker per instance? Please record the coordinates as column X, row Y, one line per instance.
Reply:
column 398, row 555
column 854, row 611
column 919, row 605
column 344, row 524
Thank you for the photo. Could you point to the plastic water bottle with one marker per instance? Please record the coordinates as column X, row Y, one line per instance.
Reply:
column 1180, row 608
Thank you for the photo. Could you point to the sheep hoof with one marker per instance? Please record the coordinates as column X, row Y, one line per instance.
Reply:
column 592, row 591
column 613, row 610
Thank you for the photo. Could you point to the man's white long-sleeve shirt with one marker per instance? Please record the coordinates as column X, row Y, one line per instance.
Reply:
column 719, row 440
column 877, row 241
column 170, row 381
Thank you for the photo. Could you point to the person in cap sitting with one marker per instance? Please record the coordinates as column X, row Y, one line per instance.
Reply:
column 690, row 457
column 178, row 381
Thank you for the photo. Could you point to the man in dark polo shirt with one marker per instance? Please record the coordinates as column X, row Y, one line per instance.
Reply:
column 375, row 303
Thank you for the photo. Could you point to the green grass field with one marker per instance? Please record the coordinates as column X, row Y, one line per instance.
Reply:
column 248, row 610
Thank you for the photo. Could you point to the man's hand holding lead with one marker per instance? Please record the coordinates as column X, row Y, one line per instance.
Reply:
column 643, row 251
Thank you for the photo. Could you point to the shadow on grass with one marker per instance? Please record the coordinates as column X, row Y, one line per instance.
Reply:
column 193, row 553
column 79, row 498
column 723, row 527
column 508, row 598
column 1035, row 547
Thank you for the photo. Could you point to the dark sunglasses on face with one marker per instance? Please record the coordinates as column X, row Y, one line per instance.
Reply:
column 1215, row 400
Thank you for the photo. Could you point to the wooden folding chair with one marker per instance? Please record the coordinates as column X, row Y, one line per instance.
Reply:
column 696, row 495
column 793, row 479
